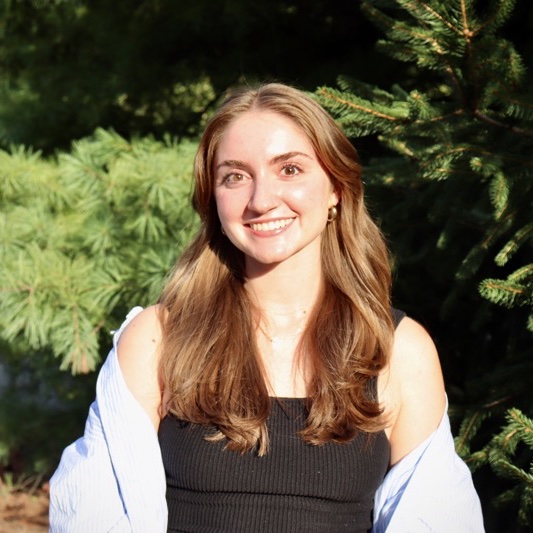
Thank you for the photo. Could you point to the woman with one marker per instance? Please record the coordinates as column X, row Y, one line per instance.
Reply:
column 282, row 385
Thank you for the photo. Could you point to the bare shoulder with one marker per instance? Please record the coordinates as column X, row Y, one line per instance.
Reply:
column 138, row 356
column 145, row 327
column 413, row 352
column 417, row 397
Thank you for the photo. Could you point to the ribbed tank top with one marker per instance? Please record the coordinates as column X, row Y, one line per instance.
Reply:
column 295, row 487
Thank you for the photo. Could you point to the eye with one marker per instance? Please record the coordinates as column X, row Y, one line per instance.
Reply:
column 233, row 177
column 290, row 169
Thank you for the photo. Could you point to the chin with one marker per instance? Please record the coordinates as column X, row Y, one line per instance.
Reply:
column 271, row 259
column 266, row 261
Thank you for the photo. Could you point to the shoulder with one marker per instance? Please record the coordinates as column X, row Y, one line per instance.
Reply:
column 138, row 352
column 145, row 324
column 138, row 343
column 413, row 352
column 412, row 388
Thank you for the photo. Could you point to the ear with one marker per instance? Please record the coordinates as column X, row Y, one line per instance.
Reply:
column 334, row 197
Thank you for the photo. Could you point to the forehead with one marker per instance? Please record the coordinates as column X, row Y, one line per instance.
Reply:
column 262, row 132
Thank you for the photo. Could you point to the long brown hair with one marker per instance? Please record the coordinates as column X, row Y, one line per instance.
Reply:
column 210, row 363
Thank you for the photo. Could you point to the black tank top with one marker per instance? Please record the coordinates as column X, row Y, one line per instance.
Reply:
column 295, row 487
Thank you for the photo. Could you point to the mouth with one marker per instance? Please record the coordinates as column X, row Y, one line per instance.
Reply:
column 272, row 225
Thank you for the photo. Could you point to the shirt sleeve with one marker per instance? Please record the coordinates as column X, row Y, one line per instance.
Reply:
column 429, row 490
column 84, row 494
column 111, row 479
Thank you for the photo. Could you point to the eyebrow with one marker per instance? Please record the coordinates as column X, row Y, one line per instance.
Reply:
column 287, row 156
column 276, row 159
column 232, row 163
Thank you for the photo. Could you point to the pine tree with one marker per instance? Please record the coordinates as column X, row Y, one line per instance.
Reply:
column 87, row 235
column 84, row 237
column 453, row 187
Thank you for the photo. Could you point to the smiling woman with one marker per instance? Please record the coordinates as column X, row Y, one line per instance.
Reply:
column 271, row 192
column 286, row 393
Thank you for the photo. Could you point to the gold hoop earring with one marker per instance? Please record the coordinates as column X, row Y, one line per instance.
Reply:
column 332, row 213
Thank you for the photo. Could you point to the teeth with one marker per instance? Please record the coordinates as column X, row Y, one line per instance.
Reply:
column 269, row 226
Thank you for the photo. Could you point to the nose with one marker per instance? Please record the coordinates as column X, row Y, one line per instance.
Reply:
column 264, row 195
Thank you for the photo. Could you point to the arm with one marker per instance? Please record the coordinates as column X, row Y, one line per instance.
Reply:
column 428, row 488
column 138, row 356
column 112, row 479
column 415, row 393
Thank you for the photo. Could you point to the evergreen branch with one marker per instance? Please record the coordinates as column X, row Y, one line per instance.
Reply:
column 428, row 164
column 399, row 147
column 466, row 32
column 66, row 223
column 493, row 122
column 514, row 101
column 510, row 158
column 476, row 459
column 502, row 292
column 436, row 15
column 522, row 273
column 511, row 471
column 469, row 54
column 435, row 45
column 525, row 424
column 491, row 236
column 409, row 34
column 498, row 402
column 498, row 14
column 443, row 155
column 521, row 236
column 466, row 432
column 499, row 194
column 440, row 118
column 473, row 260
column 516, row 290
column 324, row 93
column 501, row 450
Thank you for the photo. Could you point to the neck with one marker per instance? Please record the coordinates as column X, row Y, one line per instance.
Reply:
column 284, row 293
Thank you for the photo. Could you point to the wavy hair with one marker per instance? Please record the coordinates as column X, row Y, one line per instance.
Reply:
column 210, row 365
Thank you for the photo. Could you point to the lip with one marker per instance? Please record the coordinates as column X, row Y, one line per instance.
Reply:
column 270, row 226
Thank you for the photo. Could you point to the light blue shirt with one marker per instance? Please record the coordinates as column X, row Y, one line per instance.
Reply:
column 112, row 478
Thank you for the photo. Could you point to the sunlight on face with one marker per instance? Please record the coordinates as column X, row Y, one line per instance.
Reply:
column 271, row 192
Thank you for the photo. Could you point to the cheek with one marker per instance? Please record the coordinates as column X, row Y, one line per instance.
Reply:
column 307, row 191
column 299, row 194
column 316, row 194
column 229, row 206
column 308, row 198
column 221, row 205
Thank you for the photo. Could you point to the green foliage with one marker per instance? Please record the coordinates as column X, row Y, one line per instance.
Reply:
column 85, row 235
column 75, row 66
column 155, row 66
column 41, row 411
column 453, row 186
column 510, row 454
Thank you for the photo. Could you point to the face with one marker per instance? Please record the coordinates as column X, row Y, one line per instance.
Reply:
column 271, row 192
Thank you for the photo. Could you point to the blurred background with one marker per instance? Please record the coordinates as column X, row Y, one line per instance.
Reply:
column 101, row 106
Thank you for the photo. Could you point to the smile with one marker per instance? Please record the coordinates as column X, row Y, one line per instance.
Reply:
column 270, row 226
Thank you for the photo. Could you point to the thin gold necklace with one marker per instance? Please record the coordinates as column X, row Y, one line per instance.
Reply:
column 279, row 338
